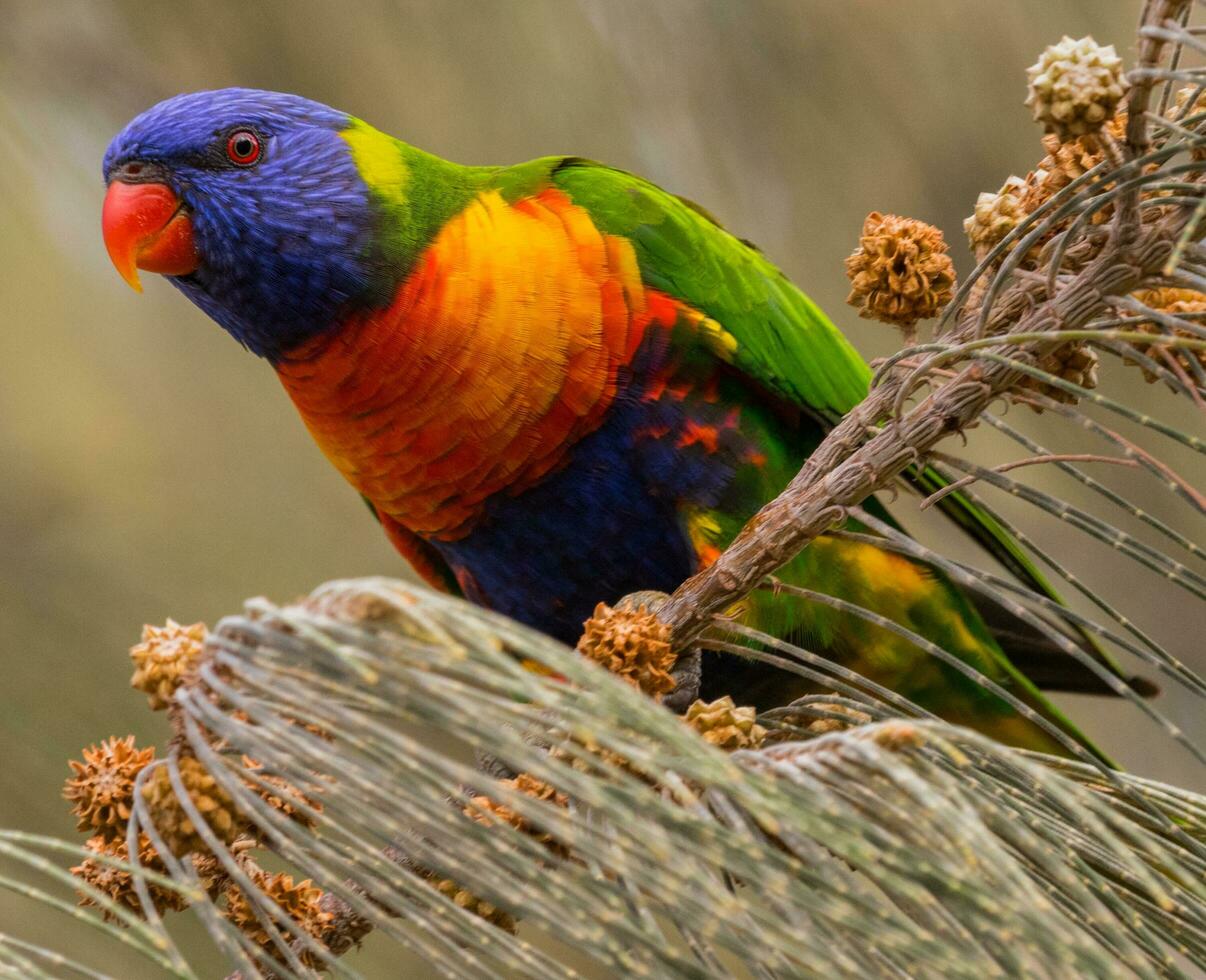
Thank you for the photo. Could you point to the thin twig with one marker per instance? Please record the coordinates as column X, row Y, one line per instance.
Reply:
column 1031, row 461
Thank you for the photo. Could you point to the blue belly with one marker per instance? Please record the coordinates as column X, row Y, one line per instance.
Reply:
column 592, row 532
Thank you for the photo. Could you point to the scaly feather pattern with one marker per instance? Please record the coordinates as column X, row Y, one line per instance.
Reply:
column 428, row 419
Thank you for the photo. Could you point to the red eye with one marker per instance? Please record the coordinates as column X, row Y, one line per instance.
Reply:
column 243, row 148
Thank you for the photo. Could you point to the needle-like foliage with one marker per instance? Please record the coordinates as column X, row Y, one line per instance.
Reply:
column 378, row 758
column 901, row 846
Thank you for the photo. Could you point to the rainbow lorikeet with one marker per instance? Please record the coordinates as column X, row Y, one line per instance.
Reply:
column 554, row 383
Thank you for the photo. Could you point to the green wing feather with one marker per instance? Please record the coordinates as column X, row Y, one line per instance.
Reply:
column 784, row 341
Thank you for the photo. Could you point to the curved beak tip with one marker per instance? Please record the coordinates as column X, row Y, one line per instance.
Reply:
column 124, row 264
column 145, row 227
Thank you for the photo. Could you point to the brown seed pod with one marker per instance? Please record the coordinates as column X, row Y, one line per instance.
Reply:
column 632, row 643
column 164, row 657
column 1073, row 362
column 117, row 883
column 210, row 799
column 725, row 725
column 900, row 272
column 283, row 796
column 995, row 216
column 1172, row 302
column 102, row 789
column 301, row 901
column 465, row 899
column 487, row 811
column 1075, row 86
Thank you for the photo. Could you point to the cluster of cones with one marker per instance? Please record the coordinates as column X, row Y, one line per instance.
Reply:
column 179, row 793
column 195, row 821
column 901, row 273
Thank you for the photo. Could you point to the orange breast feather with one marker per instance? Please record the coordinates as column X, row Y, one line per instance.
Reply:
column 498, row 352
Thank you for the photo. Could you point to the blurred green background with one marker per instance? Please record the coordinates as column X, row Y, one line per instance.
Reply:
column 149, row 467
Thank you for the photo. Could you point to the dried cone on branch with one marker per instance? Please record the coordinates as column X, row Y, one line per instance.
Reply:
column 995, row 216
column 164, row 657
column 1075, row 363
column 725, row 725
column 283, row 795
column 101, row 790
column 1172, row 302
column 301, row 901
column 1069, row 161
column 211, row 800
column 823, row 726
column 210, row 871
column 900, row 272
column 632, row 643
column 1066, row 162
column 465, row 899
column 1075, row 86
column 116, row 883
column 488, row 811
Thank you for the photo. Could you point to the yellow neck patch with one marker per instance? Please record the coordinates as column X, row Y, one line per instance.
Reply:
column 379, row 159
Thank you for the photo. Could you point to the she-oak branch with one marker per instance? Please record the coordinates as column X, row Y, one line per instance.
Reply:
column 847, row 467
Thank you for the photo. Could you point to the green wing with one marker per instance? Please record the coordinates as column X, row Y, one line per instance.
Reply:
column 782, row 342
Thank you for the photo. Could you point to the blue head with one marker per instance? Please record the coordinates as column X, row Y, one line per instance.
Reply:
column 252, row 204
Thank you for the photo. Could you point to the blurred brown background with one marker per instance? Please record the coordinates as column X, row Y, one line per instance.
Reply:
column 150, row 468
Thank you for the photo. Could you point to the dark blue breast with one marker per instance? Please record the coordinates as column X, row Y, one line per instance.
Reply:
column 595, row 530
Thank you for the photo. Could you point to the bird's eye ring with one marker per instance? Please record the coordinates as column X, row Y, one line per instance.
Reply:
column 243, row 148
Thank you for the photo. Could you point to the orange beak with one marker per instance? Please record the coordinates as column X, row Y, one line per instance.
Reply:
column 147, row 227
